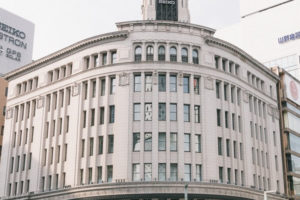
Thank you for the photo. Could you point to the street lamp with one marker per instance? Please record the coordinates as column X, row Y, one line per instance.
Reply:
column 268, row 192
column 186, row 192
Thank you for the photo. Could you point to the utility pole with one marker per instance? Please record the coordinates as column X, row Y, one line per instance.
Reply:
column 186, row 192
column 267, row 192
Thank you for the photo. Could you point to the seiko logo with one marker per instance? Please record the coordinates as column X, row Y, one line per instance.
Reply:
column 167, row 2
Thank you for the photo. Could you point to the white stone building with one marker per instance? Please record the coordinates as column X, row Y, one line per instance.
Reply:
column 141, row 112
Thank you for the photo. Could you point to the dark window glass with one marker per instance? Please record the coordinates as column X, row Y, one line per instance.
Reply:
column 184, row 55
column 150, row 52
column 138, row 54
column 161, row 53
column 195, row 56
column 173, row 54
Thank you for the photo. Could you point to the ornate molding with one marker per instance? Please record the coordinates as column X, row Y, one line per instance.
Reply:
column 246, row 96
column 123, row 79
column 75, row 89
column 9, row 113
column 40, row 102
column 209, row 83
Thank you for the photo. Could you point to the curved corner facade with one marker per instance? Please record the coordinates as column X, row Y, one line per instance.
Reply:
column 139, row 113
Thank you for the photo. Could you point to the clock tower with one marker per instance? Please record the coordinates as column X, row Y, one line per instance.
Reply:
column 170, row 10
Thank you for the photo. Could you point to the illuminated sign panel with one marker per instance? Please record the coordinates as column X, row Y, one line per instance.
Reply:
column 167, row 10
column 16, row 41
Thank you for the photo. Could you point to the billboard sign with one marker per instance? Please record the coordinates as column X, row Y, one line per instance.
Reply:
column 16, row 41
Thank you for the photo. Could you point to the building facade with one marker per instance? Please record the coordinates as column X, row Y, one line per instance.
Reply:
column 141, row 112
column 3, row 94
column 289, row 107
column 277, row 45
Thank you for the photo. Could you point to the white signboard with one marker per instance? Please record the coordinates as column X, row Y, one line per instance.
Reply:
column 292, row 89
column 16, row 41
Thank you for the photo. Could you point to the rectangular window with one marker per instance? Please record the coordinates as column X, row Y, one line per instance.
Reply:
column 84, row 119
column 85, row 91
column 187, row 172
column 234, row 149
column 112, row 85
column 198, row 143
column 251, row 128
column 173, row 142
column 226, row 119
column 228, row 175
column 199, row 173
column 136, row 173
column 136, row 142
column 197, row 114
column 148, row 83
column 66, row 152
column 241, row 152
column 217, row 58
column 110, row 144
column 161, row 82
column 104, row 58
column 218, row 117
column 99, row 174
column 186, row 84
column 148, row 111
column 137, row 83
column 274, row 138
column 232, row 94
column 111, row 114
column 187, row 142
column 82, row 147
column 91, row 146
column 148, row 172
column 253, row 156
column 173, row 112
column 238, row 96
column 218, row 83
column 109, row 173
column 276, row 163
column 148, row 142
column 197, row 85
column 162, row 171
column 90, row 176
column 240, row 124
column 93, row 88
column 92, row 117
column 102, row 86
column 228, row 147
column 173, row 83
column 136, row 112
column 101, row 115
column 186, row 113
column 162, row 112
column 220, row 146
column 81, row 176
column 233, row 121
column 100, row 145
column 173, row 172
column 225, row 91
column 162, row 141
column 67, row 123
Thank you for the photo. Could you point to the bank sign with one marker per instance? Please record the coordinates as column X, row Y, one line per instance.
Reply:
column 167, row 10
column 290, row 37
column 16, row 41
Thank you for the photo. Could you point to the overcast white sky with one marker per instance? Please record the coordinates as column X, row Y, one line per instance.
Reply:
column 59, row 23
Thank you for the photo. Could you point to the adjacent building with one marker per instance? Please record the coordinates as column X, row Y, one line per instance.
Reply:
column 3, row 94
column 276, row 45
column 289, row 88
column 141, row 112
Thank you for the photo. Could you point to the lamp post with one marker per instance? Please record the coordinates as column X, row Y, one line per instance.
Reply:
column 186, row 192
column 268, row 192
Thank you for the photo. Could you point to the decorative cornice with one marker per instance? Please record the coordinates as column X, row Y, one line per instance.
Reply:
column 162, row 22
column 212, row 41
column 68, row 50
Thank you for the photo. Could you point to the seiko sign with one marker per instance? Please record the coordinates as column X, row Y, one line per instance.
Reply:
column 16, row 41
column 166, row 2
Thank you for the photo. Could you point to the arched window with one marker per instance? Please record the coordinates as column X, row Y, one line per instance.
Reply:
column 138, row 54
column 161, row 53
column 184, row 55
column 195, row 56
column 173, row 54
column 150, row 52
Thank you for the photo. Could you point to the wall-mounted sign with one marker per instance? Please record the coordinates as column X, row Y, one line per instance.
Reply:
column 167, row 10
column 16, row 41
column 290, row 37
column 292, row 89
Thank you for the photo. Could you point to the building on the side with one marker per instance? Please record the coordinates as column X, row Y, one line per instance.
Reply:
column 3, row 94
column 16, row 41
column 141, row 112
column 289, row 102
column 269, row 32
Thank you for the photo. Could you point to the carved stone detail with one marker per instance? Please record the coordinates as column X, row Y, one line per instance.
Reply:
column 9, row 113
column 75, row 89
column 40, row 102
column 209, row 83
column 123, row 79
column 246, row 96
column 155, row 78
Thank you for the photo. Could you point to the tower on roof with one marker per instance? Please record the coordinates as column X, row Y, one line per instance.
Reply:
column 171, row 10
